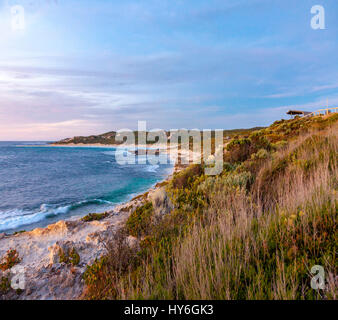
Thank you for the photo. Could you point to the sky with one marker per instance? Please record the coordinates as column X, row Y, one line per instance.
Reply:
column 87, row 67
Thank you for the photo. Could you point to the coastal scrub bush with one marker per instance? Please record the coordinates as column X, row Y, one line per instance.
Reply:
column 19, row 232
column 69, row 257
column 259, row 141
column 207, row 185
column 142, row 196
column 242, row 179
column 5, row 285
column 227, row 167
column 280, row 144
column 182, row 179
column 188, row 198
column 103, row 277
column 94, row 216
column 139, row 222
column 9, row 260
column 92, row 271
column 260, row 154
column 238, row 150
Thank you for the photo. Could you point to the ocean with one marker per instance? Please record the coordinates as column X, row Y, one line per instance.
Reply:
column 40, row 185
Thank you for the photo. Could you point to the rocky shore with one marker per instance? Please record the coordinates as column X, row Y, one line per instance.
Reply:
column 45, row 276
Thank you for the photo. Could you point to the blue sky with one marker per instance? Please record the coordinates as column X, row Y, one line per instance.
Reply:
column 87, row 67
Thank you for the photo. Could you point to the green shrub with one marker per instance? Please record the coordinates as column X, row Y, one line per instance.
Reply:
column 238, row 150
column 70, row 257
column 5, row 285
column 207, row 185
column 139, row 222
column 259, row 141
column 238, row 142
column 103, row 277
column 18, row 232
column 182, row 179
column 280, row 144
column 9, row 260
column 93, row 272
column 188, row 198
column 228, row 167
column 260, row 154
column 95, row 216
column 243, row 179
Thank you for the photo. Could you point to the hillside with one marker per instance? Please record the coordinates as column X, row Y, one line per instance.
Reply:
column 110, row 137
column 252, row 232
column 105, row 138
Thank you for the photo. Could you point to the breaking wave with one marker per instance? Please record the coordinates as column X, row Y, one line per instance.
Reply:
column 16, row 218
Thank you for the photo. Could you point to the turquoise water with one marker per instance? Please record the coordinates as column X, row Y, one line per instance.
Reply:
column 40, row 185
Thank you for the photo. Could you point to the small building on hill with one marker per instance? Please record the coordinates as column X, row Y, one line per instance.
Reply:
column 298, row 113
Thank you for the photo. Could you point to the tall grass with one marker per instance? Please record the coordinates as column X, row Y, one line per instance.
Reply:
column 246, row 253
column 254, row 239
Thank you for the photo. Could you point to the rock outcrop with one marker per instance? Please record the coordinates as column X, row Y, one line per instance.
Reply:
column 161, row 201
column 44, row 276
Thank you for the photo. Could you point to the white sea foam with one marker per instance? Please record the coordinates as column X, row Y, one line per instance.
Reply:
column 16, row 218
column 152, row 168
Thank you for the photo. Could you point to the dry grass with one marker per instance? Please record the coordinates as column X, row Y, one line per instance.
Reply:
column 102, row 278
column 251, row 241
column 218, row 260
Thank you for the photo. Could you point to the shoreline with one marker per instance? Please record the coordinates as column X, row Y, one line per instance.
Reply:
column 38, row 249
column 131, row 196
column 172, row 167
column 173, row 160
column 101, row 145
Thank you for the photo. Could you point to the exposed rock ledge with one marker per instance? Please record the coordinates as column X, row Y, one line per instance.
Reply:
column 45, row 277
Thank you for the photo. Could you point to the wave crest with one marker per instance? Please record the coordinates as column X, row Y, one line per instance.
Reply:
column 16, row 218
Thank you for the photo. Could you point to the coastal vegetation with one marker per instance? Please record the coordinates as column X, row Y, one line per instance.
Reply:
column 19, row 232
column 70, row 256
column 111, row 137
column 5, row 285
column 252, row 232
column 94, row 217
column 9, row 260
column 138, row 222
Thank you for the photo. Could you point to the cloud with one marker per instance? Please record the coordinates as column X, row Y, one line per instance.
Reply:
column 313, row 105
column 39, row 131
column 325, row 87
column 100, row 66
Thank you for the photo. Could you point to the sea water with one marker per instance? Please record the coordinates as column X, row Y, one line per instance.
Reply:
column 40, row 184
